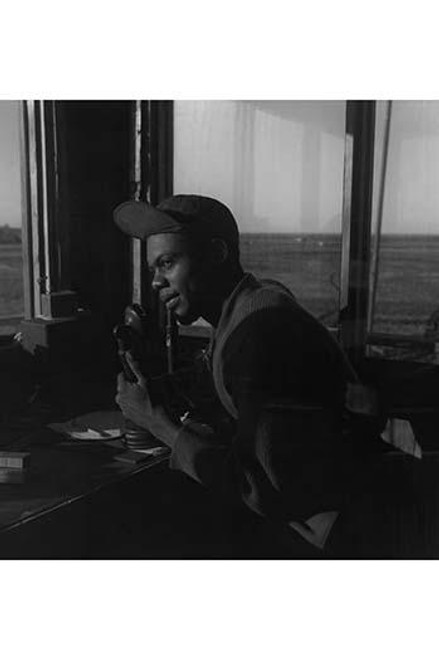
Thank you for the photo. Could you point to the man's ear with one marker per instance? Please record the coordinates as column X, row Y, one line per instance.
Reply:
column 219, row 251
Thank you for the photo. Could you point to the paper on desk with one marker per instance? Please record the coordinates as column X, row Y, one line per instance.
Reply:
column 103, row 425
column 399, row 433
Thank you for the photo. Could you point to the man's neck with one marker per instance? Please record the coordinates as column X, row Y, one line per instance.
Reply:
column 220, row 293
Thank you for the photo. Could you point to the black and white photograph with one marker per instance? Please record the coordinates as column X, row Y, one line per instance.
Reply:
column 219, row 334
column 229, row 307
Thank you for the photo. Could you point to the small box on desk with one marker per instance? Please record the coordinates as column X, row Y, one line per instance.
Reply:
column 14, row 460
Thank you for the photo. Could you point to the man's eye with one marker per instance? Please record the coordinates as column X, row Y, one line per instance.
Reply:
column 166, row 264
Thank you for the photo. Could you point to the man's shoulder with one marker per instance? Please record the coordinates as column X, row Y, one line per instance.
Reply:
column 269, row 320
column 259, row 294
column 265, row 319
column 275, row 286
column 266, row 301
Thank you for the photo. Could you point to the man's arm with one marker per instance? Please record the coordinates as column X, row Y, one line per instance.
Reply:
column 135, row 402
column 268, row 460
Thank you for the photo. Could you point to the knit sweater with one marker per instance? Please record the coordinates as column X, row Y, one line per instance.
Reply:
column 282, row 380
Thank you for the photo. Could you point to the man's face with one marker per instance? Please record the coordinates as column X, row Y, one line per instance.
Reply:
column 177, row 275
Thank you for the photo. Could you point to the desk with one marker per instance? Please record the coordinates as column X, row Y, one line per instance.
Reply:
column 76, row 501
column 72, row 497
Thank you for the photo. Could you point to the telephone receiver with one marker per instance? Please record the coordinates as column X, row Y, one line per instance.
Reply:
column 131, row 335
column 150, row 340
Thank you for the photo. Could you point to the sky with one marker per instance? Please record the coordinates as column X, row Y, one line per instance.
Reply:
column 279, row 164
column 411, row 203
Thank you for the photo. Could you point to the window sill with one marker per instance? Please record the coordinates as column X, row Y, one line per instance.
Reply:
column 9, row 326
column 404, row 348
column 206, row 331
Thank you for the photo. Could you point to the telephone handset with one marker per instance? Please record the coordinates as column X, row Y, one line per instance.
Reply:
column 132, row 335
column 153, row 349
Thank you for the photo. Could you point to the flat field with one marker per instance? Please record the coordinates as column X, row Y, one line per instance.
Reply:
column 407, row 300
column 11, row 284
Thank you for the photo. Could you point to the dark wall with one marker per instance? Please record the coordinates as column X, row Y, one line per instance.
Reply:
column 94, row 149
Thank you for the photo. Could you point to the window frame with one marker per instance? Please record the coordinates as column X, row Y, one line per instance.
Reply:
column 151, row 166
column 356, row 227
column 45, row 256
column 58, row 201
column 43, row 252
column 422, row 345
column 353, row 329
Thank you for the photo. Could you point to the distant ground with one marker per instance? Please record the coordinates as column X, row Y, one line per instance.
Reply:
column 408, row 286
column 10, row 235
column 407, row 299
column 11, row 276
column 11, row 284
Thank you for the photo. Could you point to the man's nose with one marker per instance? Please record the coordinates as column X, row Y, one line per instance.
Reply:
column 158, row 281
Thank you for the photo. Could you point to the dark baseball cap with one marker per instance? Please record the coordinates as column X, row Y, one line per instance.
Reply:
column 192, row 214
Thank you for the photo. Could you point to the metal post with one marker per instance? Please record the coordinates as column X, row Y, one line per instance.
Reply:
column 357, row 208
column 137, row 249
column 377, row 241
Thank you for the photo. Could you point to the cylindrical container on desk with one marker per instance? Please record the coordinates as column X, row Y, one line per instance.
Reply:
column 136, row 437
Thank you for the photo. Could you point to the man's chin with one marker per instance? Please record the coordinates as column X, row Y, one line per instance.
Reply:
column 186, row 314
column 186, row 319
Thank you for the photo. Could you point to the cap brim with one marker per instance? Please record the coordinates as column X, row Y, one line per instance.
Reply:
column 140, row 220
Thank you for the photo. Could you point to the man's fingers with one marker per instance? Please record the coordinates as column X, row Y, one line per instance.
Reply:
column 134, row 366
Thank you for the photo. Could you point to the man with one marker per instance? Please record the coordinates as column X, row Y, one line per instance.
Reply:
column 289, row 451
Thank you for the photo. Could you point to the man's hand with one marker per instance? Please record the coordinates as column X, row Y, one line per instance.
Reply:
column 136, row 405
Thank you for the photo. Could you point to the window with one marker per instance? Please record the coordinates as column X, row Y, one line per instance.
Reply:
column 293, row 173
column 404, row 290
column 278, row 165
column 11, row 260
column 75, row 162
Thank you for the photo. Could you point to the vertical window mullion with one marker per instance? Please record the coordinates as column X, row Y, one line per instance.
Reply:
column 33, row 221
column 151, row 175
column 136, row 251
column 26, row 224
column 43, row 251
column 357, row 215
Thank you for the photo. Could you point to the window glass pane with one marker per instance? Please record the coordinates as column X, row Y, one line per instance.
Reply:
column 11, row 268
column 278, row 165
column 405, row 240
